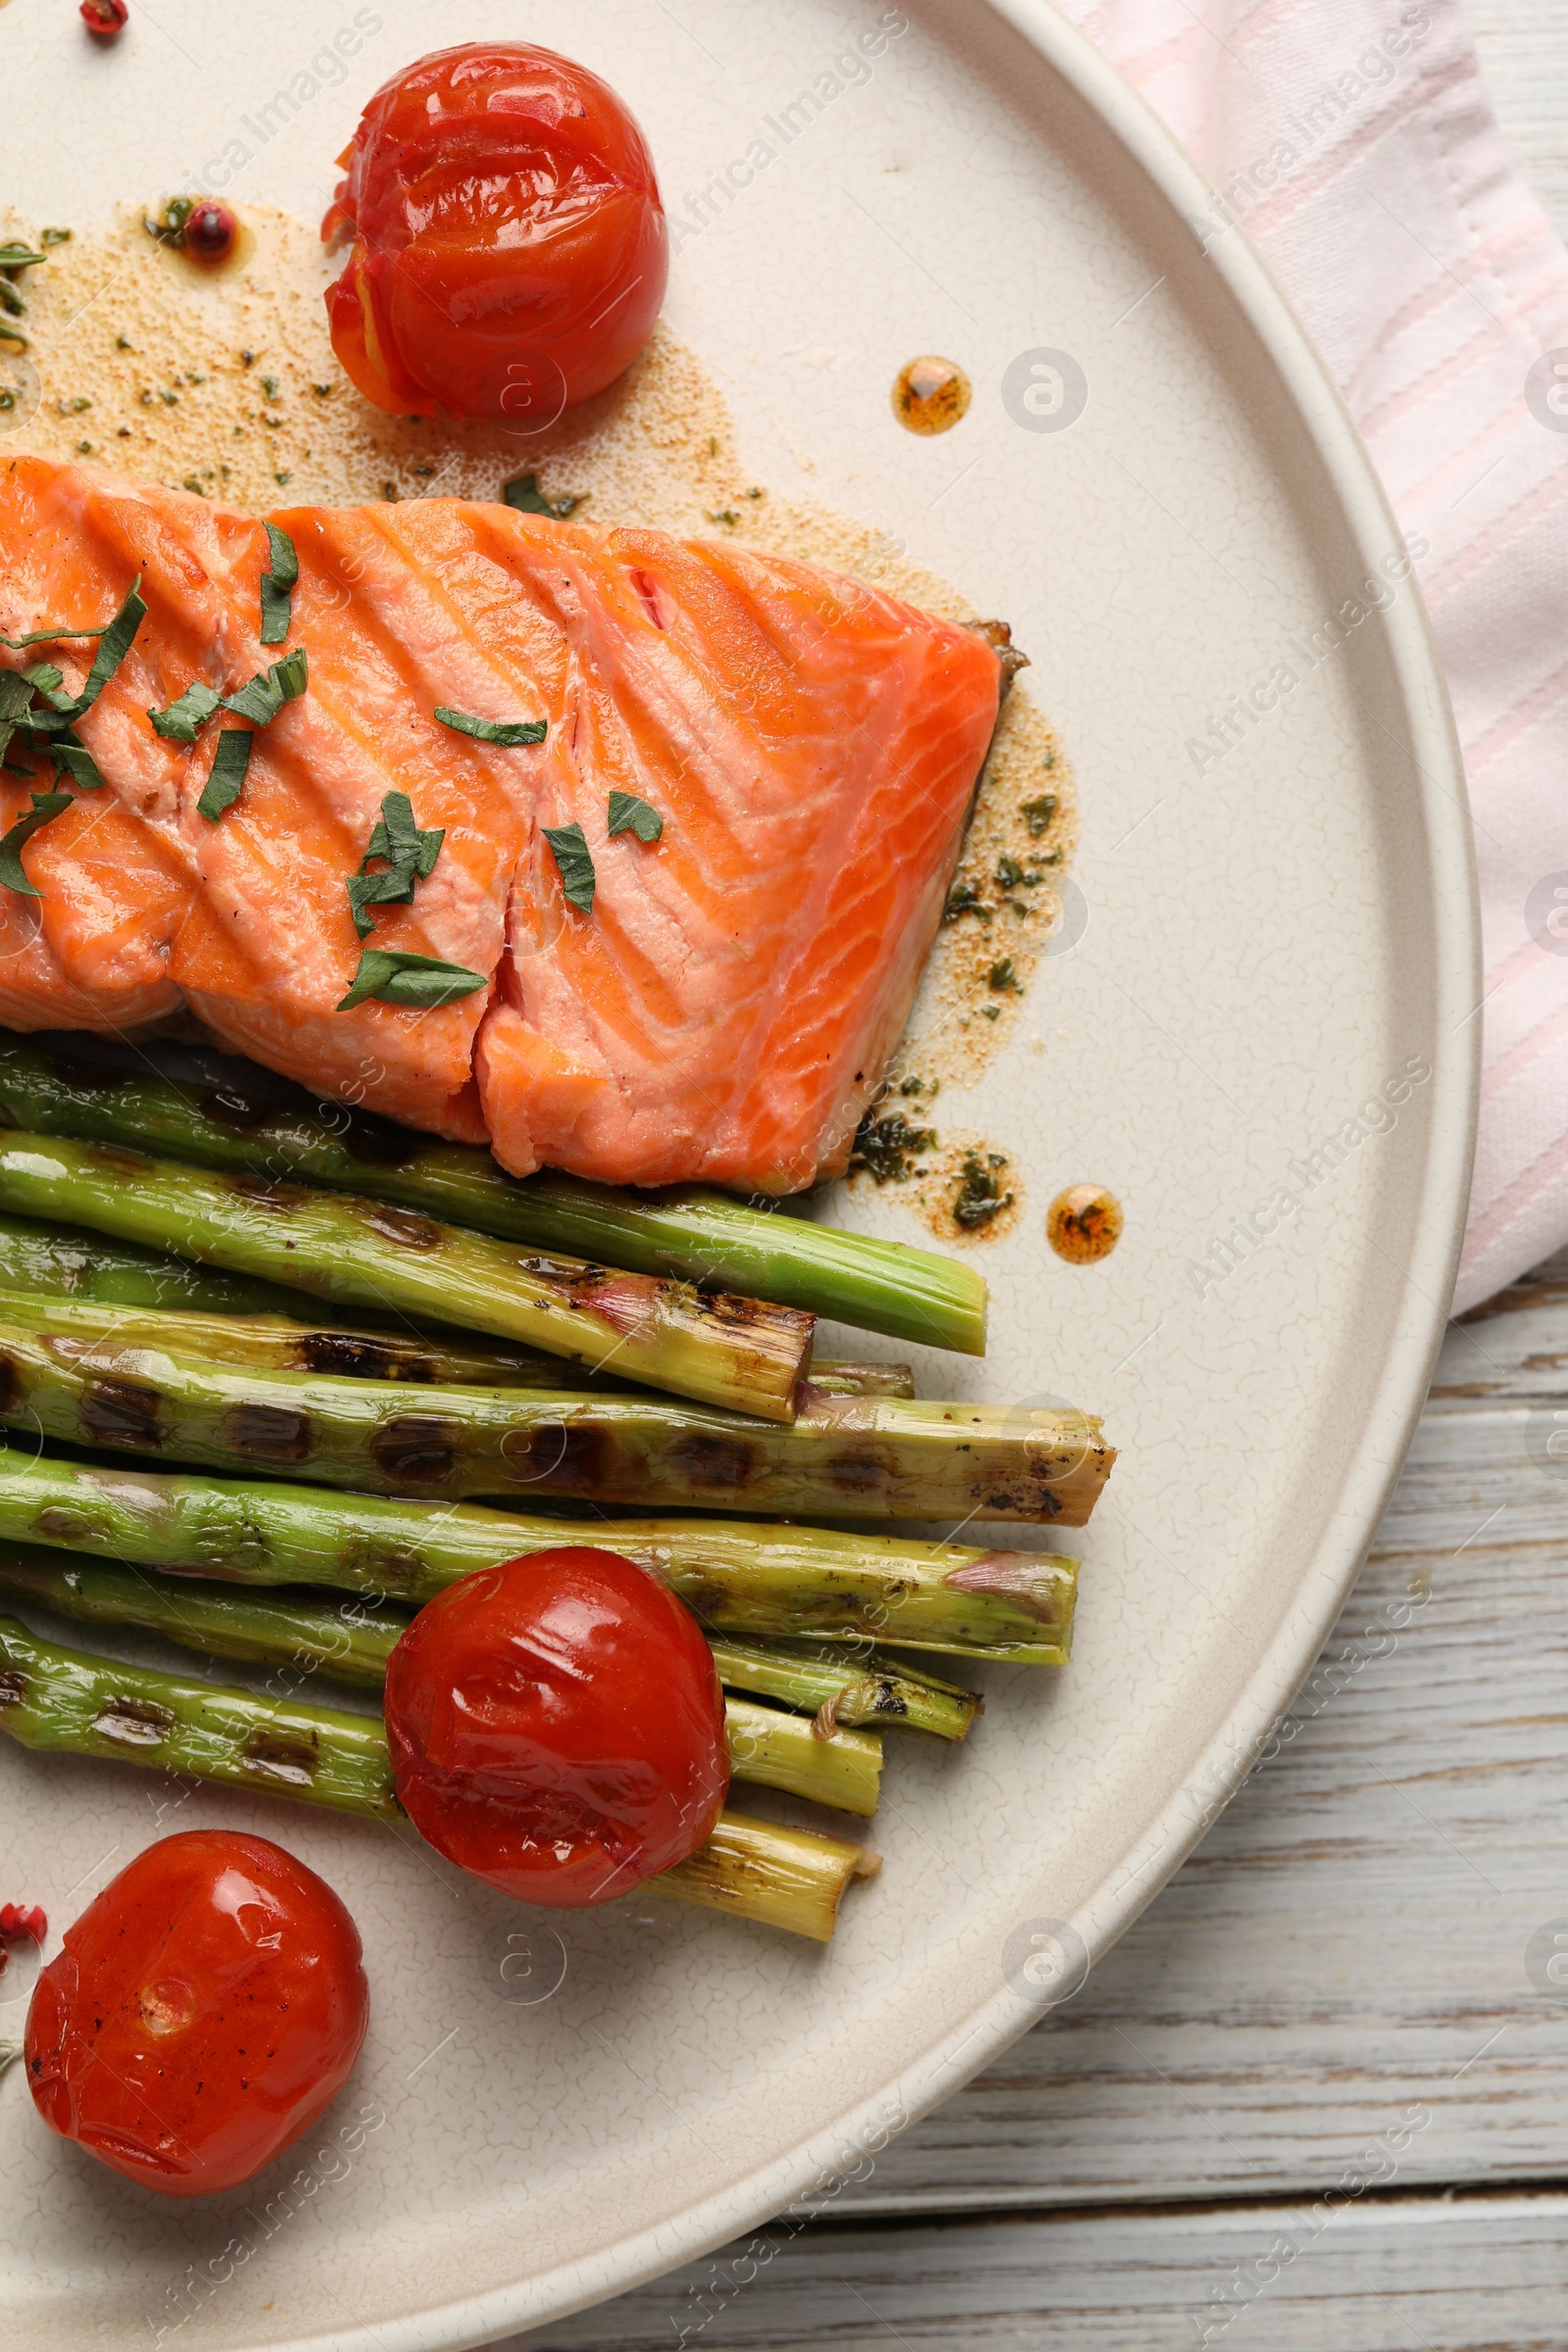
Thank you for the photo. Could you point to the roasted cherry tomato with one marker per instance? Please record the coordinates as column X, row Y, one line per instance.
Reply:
column 207, row 2006
column 558, row 1728
column 509, row 247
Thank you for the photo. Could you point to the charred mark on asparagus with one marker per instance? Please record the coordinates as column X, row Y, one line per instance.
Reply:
column 419, row 1448
column 271, row 1433
column 408, row 1230
column 61, row 1525
column 277, row 1753
column 133, row 1722
column 708, row 1463
column 854, row 1474
column 270, row 1192
column 122, row 1412
column 354, row 1355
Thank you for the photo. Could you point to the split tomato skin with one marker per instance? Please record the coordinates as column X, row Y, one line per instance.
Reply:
column 509, row 247
column 557, row 1726
column 207, row 2005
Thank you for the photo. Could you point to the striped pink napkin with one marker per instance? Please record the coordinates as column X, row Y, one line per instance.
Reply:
column 1356, row 144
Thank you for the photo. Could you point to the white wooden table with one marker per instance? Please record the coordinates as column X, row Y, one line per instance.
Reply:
column 1361, row 1955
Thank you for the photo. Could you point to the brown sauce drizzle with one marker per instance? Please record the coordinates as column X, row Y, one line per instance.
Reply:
column 1084, row 1223
column 931, row 394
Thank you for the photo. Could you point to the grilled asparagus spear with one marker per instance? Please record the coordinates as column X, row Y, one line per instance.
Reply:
column 45, row 1260
column 737, row 1576
column 722, row 1351
column 851, row 1457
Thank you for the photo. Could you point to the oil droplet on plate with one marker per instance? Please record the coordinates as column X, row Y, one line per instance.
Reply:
column 1084, row 1223
column 930, row 394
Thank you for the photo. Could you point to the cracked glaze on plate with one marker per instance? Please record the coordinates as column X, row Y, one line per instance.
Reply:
column 1269, row 936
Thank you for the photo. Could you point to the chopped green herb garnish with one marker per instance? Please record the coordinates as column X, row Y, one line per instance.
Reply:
column 1010, row 875
column 630, row 814
column 15, row 256
column 53, row 726
column 887, row 1147
column 11, row 300
column 523, row 495
column 114, row 642
column 964, row 899
column 46, row 805
column 409, row 856
column 16, row 693
column 980, row 1196
column 54, row 236
column 263, row 698
column 190, row 710
column 1004, row 979
column 226, row 778
column 48, row 679
column 72, row 759
column 279, row 586
column 171, row 229
column 1037, row 814
column 393, row 977
column 568, row 846
column 271, row 387
column 507, row 732
column 14, row 335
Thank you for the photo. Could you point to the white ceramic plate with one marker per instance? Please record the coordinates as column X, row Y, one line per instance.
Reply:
column 1271, row 944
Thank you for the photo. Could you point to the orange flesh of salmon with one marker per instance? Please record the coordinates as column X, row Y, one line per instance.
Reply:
column 724, row 1012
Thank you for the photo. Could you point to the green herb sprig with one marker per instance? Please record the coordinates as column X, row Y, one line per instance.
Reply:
column 524, row 497
column 46, row 806
column 225, row 779
column 188, row 713
column 392, row 976
column 630, row 814
column 72, row 759
column 171, row 229
column 263, row 698
column 114, row 644
column 53, row 636
column 410, row 857
column 568, row 846
column 507, row 732
column 279, row 586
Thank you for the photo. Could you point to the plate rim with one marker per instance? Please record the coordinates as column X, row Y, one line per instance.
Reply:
column 1133, row 1881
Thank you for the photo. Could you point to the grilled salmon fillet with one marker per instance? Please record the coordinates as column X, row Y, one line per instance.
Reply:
column 725, row 1009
